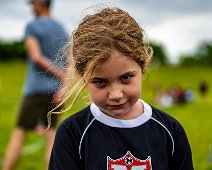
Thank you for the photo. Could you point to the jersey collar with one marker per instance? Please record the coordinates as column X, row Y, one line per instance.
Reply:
column 110, row 121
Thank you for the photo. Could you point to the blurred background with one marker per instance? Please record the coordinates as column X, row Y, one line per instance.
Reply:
column 178, row 81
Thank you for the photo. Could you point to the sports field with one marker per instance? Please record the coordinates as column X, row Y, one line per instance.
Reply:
column 196, row 116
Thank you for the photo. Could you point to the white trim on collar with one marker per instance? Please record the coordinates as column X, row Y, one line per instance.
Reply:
column 110, row 121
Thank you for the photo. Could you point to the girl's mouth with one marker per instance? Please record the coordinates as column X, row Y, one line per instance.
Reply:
column 116, row 106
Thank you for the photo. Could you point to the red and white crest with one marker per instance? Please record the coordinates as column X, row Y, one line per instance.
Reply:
column 129, row 162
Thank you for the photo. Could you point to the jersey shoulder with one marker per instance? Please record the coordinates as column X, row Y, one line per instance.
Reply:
column 168, row 121
column 78, row 121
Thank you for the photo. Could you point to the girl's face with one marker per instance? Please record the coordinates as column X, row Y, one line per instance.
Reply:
column 115, row 87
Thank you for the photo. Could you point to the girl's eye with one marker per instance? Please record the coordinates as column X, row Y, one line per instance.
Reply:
column 126, row 78
column 99, row 83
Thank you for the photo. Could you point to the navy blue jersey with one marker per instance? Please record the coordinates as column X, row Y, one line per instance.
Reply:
column 91, row 140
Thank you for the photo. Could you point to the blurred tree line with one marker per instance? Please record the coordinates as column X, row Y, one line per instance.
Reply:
column 12, row 50
column 15, row 50
column 202, row 55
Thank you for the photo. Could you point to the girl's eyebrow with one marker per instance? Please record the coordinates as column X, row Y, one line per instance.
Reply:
column 97, row 78
column 130, row 72
column 127, row 73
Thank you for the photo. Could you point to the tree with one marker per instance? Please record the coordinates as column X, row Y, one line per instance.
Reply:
column 203, row 55
column 187, row 60
column 12, row 50
column 159, row 54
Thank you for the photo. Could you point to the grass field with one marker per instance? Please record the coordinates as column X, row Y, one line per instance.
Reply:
column 196, row 117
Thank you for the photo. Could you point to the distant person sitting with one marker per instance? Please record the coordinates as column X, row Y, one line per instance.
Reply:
column 43, row 38
column 203, row 88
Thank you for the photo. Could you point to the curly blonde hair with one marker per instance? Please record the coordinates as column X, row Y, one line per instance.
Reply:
column 96, row 37
column 110, row 29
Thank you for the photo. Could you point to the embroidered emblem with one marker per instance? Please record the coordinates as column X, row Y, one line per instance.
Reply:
column 129, row 162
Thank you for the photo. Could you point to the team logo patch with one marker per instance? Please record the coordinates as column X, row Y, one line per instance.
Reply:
column 129, row 162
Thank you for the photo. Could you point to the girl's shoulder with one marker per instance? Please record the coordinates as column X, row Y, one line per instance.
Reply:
column 78, row 121
column 166, row 120
column 79, row 117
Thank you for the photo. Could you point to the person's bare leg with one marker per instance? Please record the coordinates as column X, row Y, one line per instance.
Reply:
column 49, row 138
column 13, row 151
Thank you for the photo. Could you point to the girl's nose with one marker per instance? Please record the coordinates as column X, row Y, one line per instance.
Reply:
column 115, row 93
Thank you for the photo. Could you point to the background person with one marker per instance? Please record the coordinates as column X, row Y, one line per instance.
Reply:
column 44, row 37
column 203, row 88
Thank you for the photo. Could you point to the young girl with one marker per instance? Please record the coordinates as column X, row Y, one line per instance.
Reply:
column 118, row 131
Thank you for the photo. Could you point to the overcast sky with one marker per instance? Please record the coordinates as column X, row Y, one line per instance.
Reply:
column 180, row 25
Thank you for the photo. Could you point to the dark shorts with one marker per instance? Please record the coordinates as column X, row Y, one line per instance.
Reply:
column 33, row 111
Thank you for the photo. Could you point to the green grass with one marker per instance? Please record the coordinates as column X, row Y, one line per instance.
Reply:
column 195, row 117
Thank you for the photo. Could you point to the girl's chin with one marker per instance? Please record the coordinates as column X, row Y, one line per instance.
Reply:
column 117, row 114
